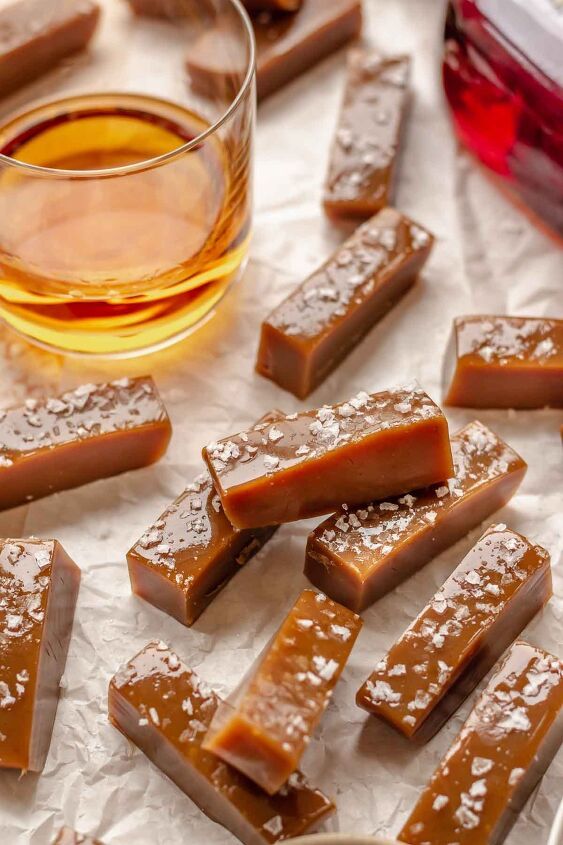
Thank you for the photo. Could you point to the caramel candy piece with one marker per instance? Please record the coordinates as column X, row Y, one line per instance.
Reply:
column 317, row 326
column 307, row 464
column 364, row 153
column 70, row 837
column 162, row 706
column 492, row 595
column 38, row 591
column 92, row 432
column 286, row 46
column 503, row 750
column 505, row 362
column 192, row 551
column 272, row 5
column 36, row 34
column 265, row 729
column 358, row 556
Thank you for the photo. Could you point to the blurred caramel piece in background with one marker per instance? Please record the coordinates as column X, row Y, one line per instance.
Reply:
column 286, row 46
column 36, row 34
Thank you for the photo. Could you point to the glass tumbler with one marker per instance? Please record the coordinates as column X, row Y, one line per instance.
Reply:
column 125, row 180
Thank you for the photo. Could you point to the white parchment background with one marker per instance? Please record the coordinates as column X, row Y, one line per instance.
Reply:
column 488, row 257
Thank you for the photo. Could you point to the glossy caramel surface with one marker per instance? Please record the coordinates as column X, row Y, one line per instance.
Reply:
column 31, row 614
column 69, row 837
column 360, row 543
column 502, row 573
column 364, row 264
column 309, row 463
column 363, row 156
column 503, row 362
column 90, row 432
column 504, row 747
column 157, row 695
column 265, row 728
column 317, row 325
column 194, row 547
column 89, row 411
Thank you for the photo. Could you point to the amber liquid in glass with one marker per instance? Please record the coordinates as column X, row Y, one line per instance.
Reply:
column 112, row 263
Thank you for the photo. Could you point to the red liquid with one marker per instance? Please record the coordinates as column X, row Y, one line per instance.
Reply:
column 505, row 109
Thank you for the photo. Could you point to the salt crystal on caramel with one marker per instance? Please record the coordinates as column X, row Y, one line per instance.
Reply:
column 358, row 555
column 192, row 551
column 265, row 727
column 311, row 332
column 364, row 154
column 307, row 464
column 165, row 709
column 505, row 362
column 91, row 432
column 504, row 748
column 491, row 596
column 38, row 591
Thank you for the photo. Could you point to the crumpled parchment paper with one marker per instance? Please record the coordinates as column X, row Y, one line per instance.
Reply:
column 488, row 257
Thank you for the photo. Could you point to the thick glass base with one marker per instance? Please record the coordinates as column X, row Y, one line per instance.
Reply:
column 117, row 330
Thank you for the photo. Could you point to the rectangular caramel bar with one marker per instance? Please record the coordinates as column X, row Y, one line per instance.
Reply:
column 192, row 551
column 505, row 362
column 265, row 728
column 309, row 463
column 360, row 178
column 92, row 432
column 36, row 34
column 316, row 327
column 358, row 555
column 70, row 837
column 162, row 706
column 492, row 595
column 38, row 591
column 286, row 46
column 503, row 750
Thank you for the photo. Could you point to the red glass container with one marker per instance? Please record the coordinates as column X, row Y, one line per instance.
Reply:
column 503, row 78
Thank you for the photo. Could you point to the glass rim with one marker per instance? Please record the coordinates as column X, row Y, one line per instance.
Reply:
column 157, row 161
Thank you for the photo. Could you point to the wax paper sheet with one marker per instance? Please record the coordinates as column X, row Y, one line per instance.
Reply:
column 488, row 257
